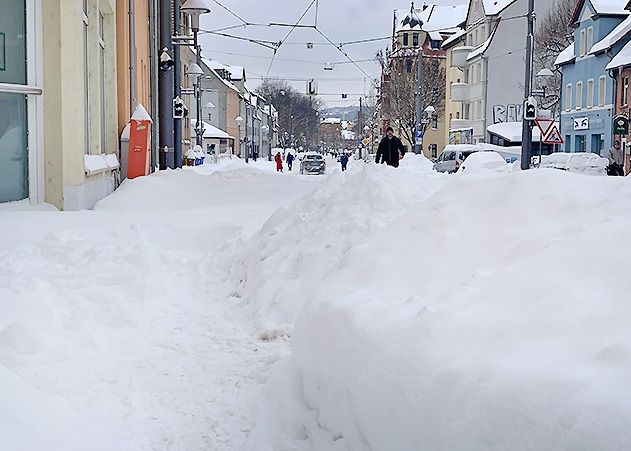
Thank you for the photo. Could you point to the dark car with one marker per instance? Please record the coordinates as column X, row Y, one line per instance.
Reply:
column 312, row 163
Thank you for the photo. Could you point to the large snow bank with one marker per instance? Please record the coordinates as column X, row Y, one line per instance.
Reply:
column 279, row 266
column 495, row 315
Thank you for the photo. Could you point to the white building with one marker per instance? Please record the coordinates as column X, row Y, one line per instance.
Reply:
column 491, row 52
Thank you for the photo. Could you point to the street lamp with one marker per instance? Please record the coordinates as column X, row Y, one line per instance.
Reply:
column 196, row 8
column 194, row 72
column 239, row 121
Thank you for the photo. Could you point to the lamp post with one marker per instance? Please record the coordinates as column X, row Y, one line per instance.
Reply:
column 196, row 8
column 239, row 121
column 195, row 73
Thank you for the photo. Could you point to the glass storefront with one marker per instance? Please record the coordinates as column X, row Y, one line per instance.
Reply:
column 13, row 106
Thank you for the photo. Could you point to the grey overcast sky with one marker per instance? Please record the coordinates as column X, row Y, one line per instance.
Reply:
column 341, row 21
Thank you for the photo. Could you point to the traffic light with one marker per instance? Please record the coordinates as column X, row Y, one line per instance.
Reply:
column 178, row 108
column 530, row 109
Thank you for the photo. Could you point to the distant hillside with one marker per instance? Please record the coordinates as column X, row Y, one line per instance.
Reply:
column 347, row 113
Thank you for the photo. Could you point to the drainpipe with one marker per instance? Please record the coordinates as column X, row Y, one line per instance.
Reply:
column 165, row 89
column 615, row 100
column 486, row 93
column 153, row 33
column 133, row 82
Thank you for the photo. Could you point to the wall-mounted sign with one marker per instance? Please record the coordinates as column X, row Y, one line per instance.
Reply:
column 620, row 125
column 581, row 123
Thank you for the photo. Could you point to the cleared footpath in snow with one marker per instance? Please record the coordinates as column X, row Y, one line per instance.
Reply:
column 117, row 329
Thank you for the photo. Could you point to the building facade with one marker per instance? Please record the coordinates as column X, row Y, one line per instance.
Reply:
column 58, row 99
column 587, row 89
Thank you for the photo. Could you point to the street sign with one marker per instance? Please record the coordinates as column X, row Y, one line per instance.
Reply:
column 620, row 125
column 553, row 136
column 581, row 123
column 419, row 137
column 544, row 125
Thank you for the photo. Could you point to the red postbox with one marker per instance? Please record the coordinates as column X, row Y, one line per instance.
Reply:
column 138, row 157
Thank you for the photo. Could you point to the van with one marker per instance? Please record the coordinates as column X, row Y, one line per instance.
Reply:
column 454, row 155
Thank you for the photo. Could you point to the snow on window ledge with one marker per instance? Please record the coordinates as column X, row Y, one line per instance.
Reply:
column 97, row 164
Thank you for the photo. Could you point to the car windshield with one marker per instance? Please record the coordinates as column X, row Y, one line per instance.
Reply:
column 466, row 154
column 313, row 157
column 449, row 155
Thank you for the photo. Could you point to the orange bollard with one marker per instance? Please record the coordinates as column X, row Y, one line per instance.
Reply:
column 138, row 157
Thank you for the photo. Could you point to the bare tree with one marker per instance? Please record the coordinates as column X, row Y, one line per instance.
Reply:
column 554, row 34
column 298, row 115
column 399, row 86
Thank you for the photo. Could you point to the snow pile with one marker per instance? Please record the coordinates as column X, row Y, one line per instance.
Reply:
column 495, row 315
column 277, row 269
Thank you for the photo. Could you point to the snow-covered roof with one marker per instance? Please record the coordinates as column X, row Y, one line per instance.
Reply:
column 453, row 38
column 236, row 72
column 331, row 120
column 511, row 131
column 482, row 48
column 613, row 38
column 208, row 63
column 566, row 56
column 433, row 17
column 435, row 36
column 609, row 6
column 494, row 7
column 210, row 131
column 623, row 58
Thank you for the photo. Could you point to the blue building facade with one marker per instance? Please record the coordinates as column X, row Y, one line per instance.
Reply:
column 587, row 89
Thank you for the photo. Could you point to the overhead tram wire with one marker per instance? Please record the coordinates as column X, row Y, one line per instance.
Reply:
column 271, row 63
column 343, row 53
column 232, row 13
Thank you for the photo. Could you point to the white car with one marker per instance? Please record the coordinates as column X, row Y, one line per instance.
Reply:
column 484, row 162
column 581, row 163
column 312, row 163
column 454, row 155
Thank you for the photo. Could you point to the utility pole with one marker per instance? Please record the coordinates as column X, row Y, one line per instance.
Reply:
column 526, row 134
column 165, row 89
column 177, row 81
column 360, row 127
column 418, row 148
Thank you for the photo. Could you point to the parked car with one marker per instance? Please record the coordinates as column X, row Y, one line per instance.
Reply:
column 481, row 162
column 312, row 163
column 582, row 163
column 454, row 155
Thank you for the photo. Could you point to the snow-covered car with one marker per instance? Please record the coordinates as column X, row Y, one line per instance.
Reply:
column 484, row 162
column 581, row 163
column 312, row 163
column 453, row 156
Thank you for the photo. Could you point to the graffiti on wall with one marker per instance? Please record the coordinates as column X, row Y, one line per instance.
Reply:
column 508, row 113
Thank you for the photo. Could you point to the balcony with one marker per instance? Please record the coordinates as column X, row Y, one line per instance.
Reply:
column 459, row 124
column 459, row 92
column 459, row 56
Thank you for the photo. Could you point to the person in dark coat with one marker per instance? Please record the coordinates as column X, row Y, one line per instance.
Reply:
column 290, row 160
column 344, row 161
column 390, row 149
column 279, row 162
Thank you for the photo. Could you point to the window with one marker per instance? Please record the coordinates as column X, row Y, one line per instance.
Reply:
column 476, row 37
column 590, row 39
column 408, row 66
column 86, row 79
column 435, row 45
column 568, row 143
column 568, row 97
column 580, row 143
column 415, row 39
column 470, row 39
column 434, row 121
column 625, row 91
column 579, row 95
column 581, row 47
column 598, row 143
column 602, row 90
column 467, row 111
column 590, row 93
column 433, row 149
column 478, row 73
column 102, row 80
column 406, row 39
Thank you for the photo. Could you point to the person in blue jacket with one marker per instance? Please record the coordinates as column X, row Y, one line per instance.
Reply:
column 344, row 161
column 290, row 160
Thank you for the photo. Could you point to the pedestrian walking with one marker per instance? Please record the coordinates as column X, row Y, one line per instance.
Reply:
column 616, row 160
column 344, row 161
column 279, row 162
column 290, row 160
column 390, row 149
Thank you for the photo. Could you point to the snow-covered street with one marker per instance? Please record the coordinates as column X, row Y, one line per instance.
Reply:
column 231, row 307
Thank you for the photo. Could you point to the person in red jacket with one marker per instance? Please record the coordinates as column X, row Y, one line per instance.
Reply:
column 279, row 162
